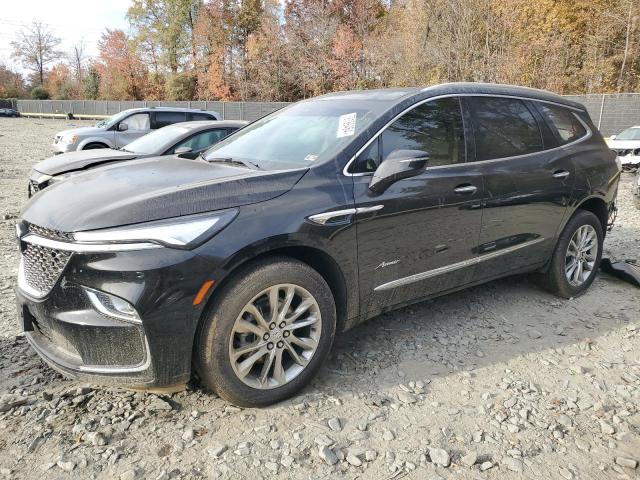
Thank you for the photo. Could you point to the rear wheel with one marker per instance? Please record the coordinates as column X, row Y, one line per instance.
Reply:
column 267, row 333
column 577, row 256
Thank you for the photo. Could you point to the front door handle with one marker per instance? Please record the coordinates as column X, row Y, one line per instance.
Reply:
column 467, row 189
column 561, row 174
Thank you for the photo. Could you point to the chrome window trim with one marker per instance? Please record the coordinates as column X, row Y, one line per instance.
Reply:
column 454, row 266
column 87, row 247
column 345, row 170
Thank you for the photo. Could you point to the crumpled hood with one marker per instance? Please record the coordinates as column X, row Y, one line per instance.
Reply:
column 152, row 189
column 68, row 162
column 623, row 144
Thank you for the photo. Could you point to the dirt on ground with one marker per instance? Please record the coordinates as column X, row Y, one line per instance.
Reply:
column 501, row 381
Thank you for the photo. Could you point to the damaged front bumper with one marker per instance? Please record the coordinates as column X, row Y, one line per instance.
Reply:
column 110, row 317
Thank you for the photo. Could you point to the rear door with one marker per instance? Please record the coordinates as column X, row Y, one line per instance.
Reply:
column 528, row 183
column 418, row 237
column 164, row 118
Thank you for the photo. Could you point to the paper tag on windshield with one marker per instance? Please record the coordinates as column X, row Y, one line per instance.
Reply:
column 346, row 125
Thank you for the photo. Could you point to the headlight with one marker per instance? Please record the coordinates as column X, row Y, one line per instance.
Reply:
column 69, row 139
column 38, row 177
column 59, row 178
column 181, row 232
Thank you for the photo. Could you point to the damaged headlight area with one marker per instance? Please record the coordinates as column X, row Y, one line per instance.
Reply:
column 185, row 233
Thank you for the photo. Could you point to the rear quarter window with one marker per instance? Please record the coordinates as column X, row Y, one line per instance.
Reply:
column 564, row 122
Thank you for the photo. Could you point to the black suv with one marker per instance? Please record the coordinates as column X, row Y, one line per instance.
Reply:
column 245, row 263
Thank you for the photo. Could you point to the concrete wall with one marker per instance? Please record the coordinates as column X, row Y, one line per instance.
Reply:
column 611, row 112
column 228, row 110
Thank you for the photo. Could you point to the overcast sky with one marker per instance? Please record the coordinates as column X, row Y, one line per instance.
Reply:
column 70, row 20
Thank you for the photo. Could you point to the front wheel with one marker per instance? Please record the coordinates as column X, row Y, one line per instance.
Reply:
column 94, row 146
column 577, row 256
column 267, row 333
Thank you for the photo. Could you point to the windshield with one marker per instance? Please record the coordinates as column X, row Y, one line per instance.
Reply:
column 107, row 122
column 629, row 134
column 297, row 136
column 157, row 141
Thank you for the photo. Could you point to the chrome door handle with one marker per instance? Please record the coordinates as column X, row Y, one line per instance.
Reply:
column 466, row 189
column 561, row 174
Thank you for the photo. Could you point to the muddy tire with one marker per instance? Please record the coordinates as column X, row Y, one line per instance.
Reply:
column 576, row 258
column 266, row 333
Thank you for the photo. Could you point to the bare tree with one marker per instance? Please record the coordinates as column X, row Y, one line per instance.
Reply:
column 36, row 46
column 77, row 59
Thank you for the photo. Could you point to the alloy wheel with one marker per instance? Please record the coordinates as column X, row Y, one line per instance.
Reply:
column 275, row 336
column 581, row 255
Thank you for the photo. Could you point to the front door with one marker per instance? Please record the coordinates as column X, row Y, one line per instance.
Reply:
column 528, row 184
column 138, row 124
column 418, row 237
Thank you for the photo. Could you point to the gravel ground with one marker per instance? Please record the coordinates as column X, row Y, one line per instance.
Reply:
column 498, row 381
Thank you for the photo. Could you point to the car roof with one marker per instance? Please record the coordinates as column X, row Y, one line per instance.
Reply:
column 169, row 109
column 393, row 96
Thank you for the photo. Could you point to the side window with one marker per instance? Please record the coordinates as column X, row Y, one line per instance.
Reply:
column 434, row 127
column 199, row 116
column 565, row 123
column 137, row 121
column 369, row 159
column 203, row 140
column 503, row 127
column 162, row 119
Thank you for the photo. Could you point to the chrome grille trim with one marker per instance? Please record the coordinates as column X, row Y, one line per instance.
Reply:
column 40, row 269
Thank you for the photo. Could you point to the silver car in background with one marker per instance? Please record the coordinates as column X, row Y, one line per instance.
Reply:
column 187, row 139
column 124, row 127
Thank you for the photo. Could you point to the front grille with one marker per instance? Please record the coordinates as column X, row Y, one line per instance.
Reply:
column 43, row 266
column 50, row 233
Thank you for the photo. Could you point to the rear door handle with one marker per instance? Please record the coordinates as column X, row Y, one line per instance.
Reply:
column 561, row 174
column 466, row 189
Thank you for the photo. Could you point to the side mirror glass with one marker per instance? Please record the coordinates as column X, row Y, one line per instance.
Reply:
column 123, row 127
column 398, row 165
column 180, row 150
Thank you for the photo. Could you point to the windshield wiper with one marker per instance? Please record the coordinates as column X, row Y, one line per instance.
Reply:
column 237, row 161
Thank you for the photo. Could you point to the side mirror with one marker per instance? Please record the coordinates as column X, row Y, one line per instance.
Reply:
column 398, row 165
column 612, row 137
column 123, row 127
column 185, row 152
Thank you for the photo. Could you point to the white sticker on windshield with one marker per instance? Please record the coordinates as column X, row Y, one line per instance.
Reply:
column 346, row 125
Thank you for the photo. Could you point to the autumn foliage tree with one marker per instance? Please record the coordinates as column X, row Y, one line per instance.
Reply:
column 122, row 73
column 284, row 50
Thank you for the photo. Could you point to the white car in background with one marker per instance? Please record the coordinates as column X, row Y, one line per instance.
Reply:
column 124, row 127
column 627, row 145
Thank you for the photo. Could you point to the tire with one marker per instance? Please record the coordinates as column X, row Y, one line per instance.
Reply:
column 556, row 278
column 220, row 335
column 94, row 146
